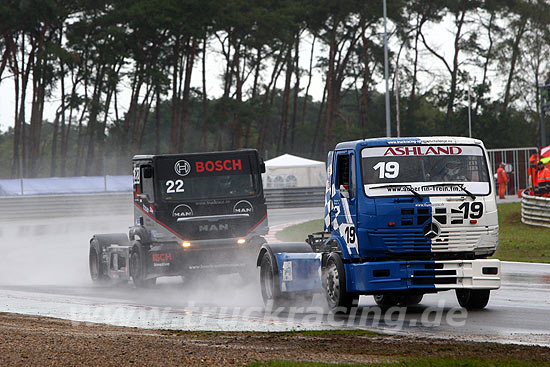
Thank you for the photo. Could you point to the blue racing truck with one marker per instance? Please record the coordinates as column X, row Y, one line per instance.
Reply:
column 403, row 217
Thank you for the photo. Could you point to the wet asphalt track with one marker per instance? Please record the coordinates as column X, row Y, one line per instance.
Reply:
column 44, row 271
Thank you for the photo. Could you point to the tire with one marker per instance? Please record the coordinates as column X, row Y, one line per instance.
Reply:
column 411, row 299
column 473, row 299
column 138, row 271
column 386, row 300
column 269, row 282
column 390, row 300
column 334, row 283
column 97, row 268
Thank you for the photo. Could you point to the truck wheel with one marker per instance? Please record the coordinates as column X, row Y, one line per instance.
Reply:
column 390, row 300
column 473, row 299
column 334, row 282
column 386, row 300
column 137, row 271
column 269, row 282
column 97, row 269
column 411, row 299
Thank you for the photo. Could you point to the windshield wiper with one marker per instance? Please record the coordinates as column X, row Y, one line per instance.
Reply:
column 408, row 187
column 461, row 185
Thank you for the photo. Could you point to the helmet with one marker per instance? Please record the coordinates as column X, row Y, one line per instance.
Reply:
column 452, row 167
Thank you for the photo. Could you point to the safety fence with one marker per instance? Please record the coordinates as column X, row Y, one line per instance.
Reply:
column 516, row 165
column 105, row 204
column 535, row 210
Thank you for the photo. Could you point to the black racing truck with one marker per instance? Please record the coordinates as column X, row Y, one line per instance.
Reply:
column 193, row 213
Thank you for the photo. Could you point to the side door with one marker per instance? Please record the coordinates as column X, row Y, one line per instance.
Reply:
column 345, row 202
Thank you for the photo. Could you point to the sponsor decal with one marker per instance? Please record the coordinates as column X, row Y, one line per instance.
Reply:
column 182, row 167
column 243, row 207
column 214, row 227
column 219, row 165
column 423, row 150
column 182, row 211
column 146, row 209
column 162, row 257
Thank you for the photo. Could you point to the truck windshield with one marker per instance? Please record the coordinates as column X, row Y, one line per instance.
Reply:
column 215, row 187
column 207, row 176
column 426, row 169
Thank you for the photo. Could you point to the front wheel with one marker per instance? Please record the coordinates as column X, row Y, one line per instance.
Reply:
column 473, row 299
column 138, row 271
column 334, row 282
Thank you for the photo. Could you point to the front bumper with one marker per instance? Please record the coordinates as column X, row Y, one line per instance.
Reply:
column 422, row 276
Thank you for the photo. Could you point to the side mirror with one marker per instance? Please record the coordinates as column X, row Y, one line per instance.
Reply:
column 147, row 171
column 262, row 167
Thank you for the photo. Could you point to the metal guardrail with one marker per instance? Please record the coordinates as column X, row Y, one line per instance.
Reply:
column 56, row 206
column 535, row 210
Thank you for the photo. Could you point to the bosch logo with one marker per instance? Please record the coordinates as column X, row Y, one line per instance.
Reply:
column 431, row 230
column 182, row 167
column 219, row 165
column 243, row 207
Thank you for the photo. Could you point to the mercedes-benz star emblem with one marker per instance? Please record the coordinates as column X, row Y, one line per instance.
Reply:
column 182, row 167
column 431, row 230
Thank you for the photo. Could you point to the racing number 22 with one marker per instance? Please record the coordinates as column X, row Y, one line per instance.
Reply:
column 173, row 187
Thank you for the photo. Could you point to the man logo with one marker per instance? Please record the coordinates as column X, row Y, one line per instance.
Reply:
column 182, row 211
column 431, row 230
column 243, row 207
column 182, row 167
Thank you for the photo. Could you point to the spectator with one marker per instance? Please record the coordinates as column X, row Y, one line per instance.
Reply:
column 543, row 179
column 502, row 180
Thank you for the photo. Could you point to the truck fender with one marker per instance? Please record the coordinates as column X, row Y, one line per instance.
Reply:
column 338, row 244
column 140, row 233
column 100, row 241
column 289, row 247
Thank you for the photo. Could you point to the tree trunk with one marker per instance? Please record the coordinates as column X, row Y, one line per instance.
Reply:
column 513, row 61
column 296, row 91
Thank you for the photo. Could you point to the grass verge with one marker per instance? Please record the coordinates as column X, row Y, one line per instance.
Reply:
column 518, row 241
column 427, row 362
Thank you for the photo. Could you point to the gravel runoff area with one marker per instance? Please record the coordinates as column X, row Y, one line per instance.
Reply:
column 31, row 340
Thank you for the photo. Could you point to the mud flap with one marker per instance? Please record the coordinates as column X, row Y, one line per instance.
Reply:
column 299, row 272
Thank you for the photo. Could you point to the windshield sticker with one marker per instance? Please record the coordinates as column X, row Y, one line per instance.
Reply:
column 182, row 167
column 422, row 150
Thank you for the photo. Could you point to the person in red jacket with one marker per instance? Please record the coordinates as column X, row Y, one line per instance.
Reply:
column 502, row 180
column 543, row 179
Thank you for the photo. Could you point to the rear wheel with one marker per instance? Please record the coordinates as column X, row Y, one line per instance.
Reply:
column 473, row 299
column 138, row 271
column 334, row 281
column 97, row 269
column 269, row 282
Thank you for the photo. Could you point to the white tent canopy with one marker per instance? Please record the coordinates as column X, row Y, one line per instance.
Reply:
column 291, row 171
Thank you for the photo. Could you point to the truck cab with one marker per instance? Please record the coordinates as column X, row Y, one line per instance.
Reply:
column 192, row 213
column 403, row 217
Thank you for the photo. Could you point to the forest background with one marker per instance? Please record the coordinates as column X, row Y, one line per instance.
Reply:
column 135, row 76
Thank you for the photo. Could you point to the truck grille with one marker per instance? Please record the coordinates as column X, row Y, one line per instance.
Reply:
column 409, row 241
column 449, row 240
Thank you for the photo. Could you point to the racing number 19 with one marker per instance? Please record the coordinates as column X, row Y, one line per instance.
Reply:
column 473, row 210
column 350, row 234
